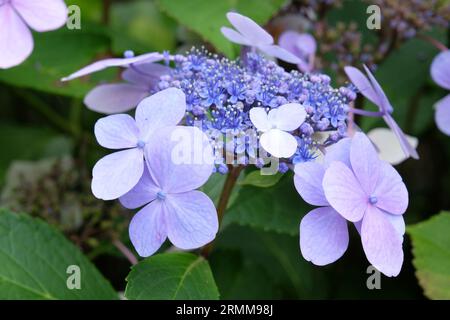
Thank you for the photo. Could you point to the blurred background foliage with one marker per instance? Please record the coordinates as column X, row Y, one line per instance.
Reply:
column 48, row 150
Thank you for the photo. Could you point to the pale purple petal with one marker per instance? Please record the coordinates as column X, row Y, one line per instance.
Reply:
column 145, row 74
column 381, row 242
column 114, row 62
column 323, row 236
column 288, row 40
column 162, row 109
column 440, row 69
column 363, row 84
column 118, row 131
column 303, row 46
column 442, row 115
column 391, row 192
column 306, row 44
column 358, row 224
column 117, row 173
column 191, row 219
column 42, row 15
column 144, row 192
column 308, row 182
column 234, row 36
column 300, row 44
column 148, row 229
column 304, row 66
column 249, row 29
column 397, row 222
column 343, row 192
column 384, row 104
column 406, row 146
column 16, row 41
column 339, row 151
column 180, row 158
column 280, row 53
column 115, row 98
column 365, row 162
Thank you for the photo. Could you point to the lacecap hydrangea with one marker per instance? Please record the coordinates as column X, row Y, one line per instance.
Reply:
column 248, row 111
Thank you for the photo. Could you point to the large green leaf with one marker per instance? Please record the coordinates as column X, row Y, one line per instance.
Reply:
column 431, row 249
column 206, row 17
column 278, row 208
column 34, row 259
column 57, row 54
column 172, row 276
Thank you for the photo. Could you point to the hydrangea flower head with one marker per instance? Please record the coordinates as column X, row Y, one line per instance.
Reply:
column 324, row 232
column 255, row 94
column 371, row 89
column 371, row 193
column 173, row 208
column 16, row 17
column 249, row 33
column 115, row 174
column 440, row 72
column 239, row 107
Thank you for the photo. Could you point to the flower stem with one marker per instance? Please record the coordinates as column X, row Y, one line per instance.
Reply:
column 106, row 9
column 230, row 182
column 125, row 251
column 436, row 43
column 367, row 113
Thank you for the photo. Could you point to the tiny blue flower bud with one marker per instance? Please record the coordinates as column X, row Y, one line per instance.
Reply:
column 128, row 54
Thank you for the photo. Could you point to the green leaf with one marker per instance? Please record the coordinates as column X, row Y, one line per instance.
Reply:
column 273, row 263
column 278, row 208
column 240, row 277
column 255, row 178
column 34, row 259
column 141, row 27
column 431, row 249
column 29, row 143
column 57, row 54
column 423, row 116
column 206, row 17
column 174, row 276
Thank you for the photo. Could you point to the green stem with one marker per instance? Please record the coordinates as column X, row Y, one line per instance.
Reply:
column 41, row 106
column 76, row 110
column 55, row 118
